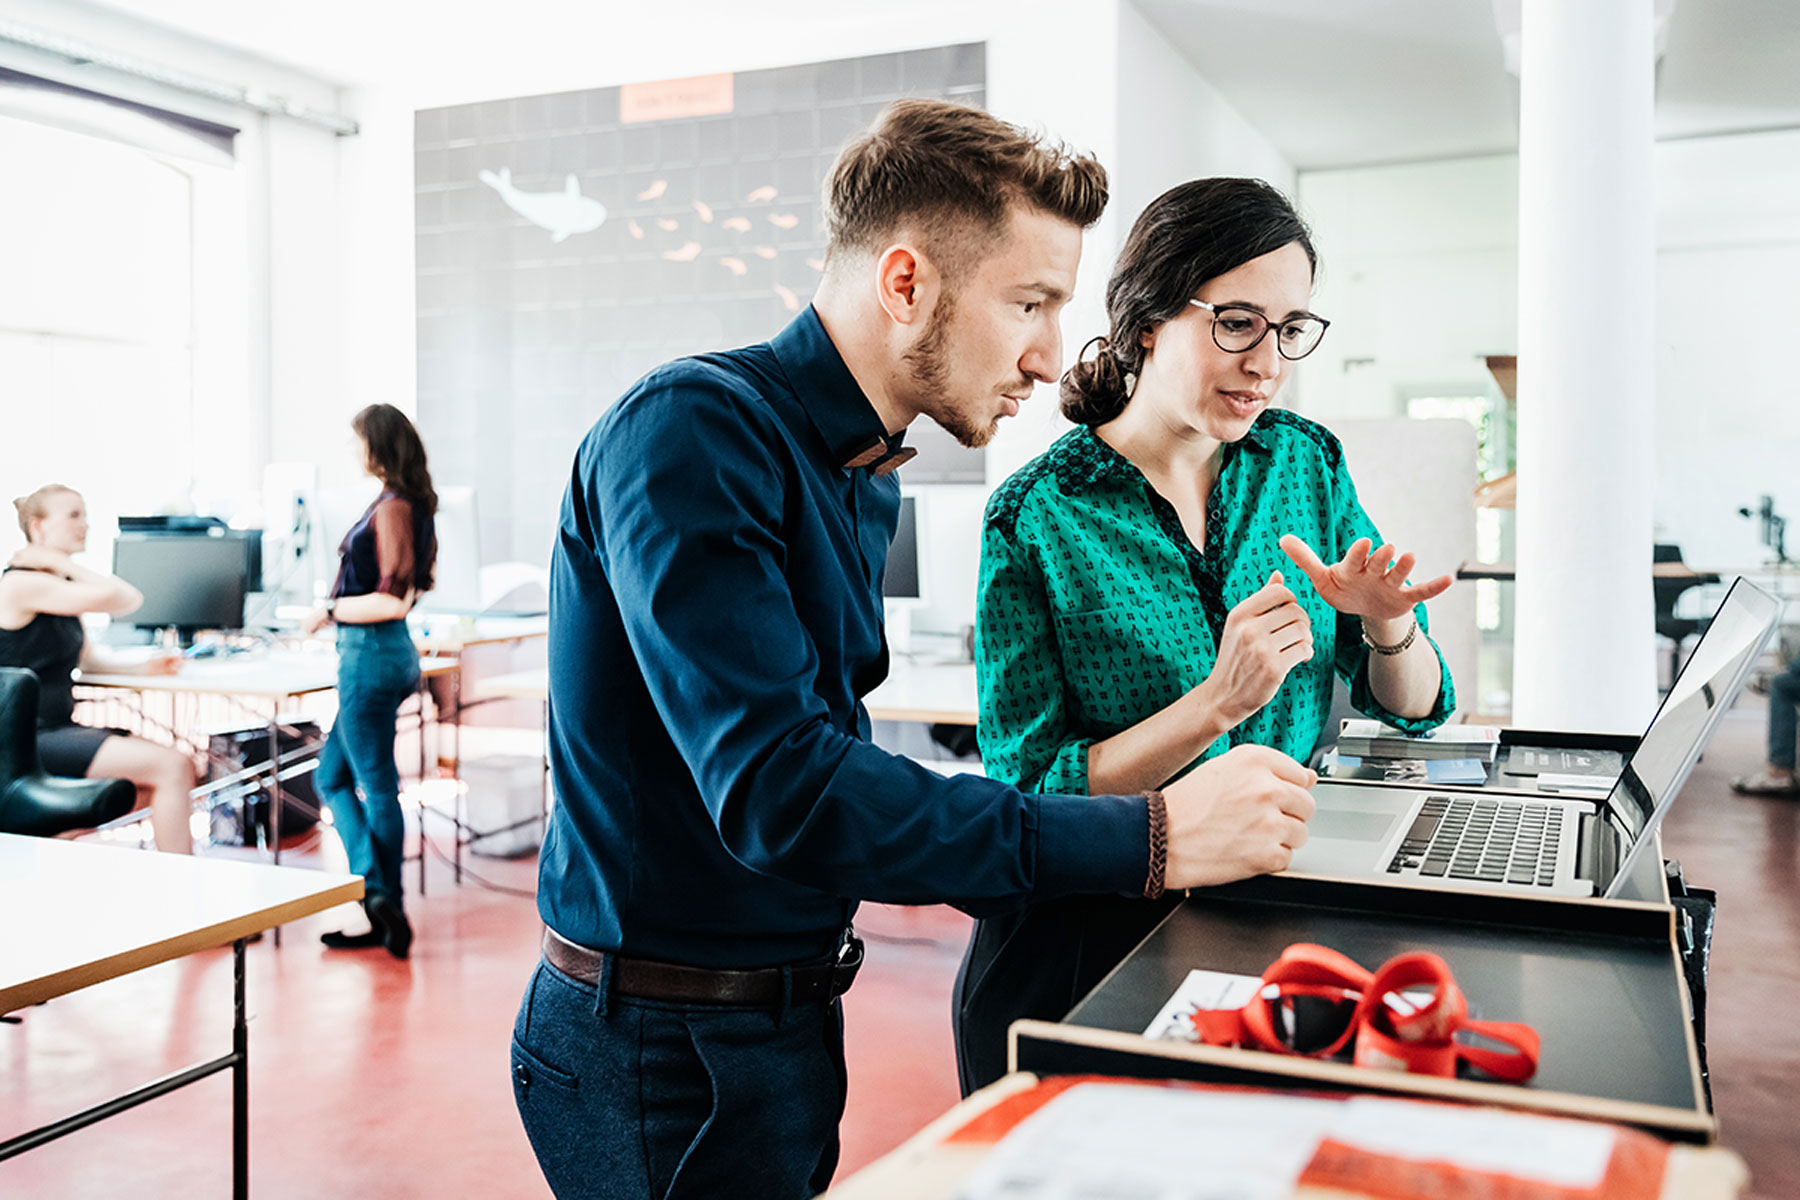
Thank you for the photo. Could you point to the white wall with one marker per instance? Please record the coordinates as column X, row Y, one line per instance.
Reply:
column 1039, row 74
column 1727, row 315
column 1420, row 276
column 1174, row 126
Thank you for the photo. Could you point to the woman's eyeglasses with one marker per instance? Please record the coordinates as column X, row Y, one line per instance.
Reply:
column 1237, row 329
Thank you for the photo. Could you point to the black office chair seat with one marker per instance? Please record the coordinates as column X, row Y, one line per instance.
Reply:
column 1668, row 593
column 35, row 803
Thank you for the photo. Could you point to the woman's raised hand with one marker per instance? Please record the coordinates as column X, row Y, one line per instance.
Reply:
column 1370, row 582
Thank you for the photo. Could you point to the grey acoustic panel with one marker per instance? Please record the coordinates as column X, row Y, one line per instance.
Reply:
column 535, row 312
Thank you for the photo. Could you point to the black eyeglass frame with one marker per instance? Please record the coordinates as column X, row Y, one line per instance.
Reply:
column 1216, row 309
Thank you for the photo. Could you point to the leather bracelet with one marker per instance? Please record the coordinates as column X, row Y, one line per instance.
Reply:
column 1399, row 646
column 1159, row 844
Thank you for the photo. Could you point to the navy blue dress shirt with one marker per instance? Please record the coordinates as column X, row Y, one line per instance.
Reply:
column 715, row 620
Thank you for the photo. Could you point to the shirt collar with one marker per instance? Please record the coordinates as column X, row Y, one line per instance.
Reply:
column 1258, row 437
column 833, row 402
column 1089, row 459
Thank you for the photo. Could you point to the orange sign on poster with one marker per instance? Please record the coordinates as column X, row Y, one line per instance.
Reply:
column 699, row 96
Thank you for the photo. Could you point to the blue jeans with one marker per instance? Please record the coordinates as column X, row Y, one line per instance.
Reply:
column 1784, row 694
column 378, row 668
column 644, row 1099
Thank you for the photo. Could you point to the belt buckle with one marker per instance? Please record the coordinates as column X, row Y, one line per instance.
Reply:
column 846, row 963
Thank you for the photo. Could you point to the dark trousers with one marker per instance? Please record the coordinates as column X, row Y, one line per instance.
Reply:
column 1784, row 694
column 637, row 1098
column 1038, row 963
column 378, row 668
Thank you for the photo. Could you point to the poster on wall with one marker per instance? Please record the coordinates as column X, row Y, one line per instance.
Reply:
column 569, row 243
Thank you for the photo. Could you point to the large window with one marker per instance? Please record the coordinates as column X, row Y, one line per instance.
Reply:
column 96, row 318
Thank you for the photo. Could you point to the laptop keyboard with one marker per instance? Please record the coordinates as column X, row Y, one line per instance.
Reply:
column 1491, row 841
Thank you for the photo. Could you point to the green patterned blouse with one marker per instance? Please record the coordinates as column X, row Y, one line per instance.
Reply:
column 1096, row 611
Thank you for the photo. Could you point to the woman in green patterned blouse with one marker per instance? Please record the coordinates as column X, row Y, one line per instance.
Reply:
column 1154, row 588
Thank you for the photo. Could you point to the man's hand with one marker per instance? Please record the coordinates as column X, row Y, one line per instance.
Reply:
column 1243, row 813
column 1370, row 582
column 1267, row 634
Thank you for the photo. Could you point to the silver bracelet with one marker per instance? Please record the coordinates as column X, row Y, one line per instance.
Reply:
column 1399, row 646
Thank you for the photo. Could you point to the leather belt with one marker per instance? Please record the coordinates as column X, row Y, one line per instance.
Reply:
column 767, row 987
column 1388, row 1032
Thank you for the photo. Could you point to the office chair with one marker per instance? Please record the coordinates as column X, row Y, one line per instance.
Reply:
column 1668, row 591
column 31, row 802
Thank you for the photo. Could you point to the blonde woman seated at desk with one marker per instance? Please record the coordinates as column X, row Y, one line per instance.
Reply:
column 1134, row 619
column 43, row 594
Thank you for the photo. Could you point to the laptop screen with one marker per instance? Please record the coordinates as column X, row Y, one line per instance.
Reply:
column 1705, row 688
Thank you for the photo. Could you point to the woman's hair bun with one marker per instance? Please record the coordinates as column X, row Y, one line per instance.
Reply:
column 1095, row 389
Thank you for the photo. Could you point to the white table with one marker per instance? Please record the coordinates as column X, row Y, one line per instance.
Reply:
column 941, row 693
column 932, row 693
column 279, row 680
column 81, row 913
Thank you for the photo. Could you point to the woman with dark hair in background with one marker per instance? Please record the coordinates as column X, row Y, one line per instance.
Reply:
column 1133, row 618
column 386, row 564
column 43, row 593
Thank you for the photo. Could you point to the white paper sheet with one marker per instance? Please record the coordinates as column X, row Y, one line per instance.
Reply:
column 1571, row 1154
column 1101, row 1141
column 1201, row 989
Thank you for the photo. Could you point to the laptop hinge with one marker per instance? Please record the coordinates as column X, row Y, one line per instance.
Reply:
column 1596, row 850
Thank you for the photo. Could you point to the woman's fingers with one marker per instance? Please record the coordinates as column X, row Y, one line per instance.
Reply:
column 1304, row 557
column 1421, row 592
column 1379, row 559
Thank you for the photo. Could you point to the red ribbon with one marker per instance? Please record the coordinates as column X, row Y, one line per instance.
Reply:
column 1422, row 1041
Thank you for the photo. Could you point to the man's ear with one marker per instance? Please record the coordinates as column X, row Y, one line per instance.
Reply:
column 906, row 283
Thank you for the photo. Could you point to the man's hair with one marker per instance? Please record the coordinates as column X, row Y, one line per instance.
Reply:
column 950, row 174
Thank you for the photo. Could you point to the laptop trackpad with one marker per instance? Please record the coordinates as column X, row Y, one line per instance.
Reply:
column 1342, row 826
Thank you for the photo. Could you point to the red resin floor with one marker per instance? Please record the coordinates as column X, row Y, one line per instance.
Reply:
column 376, row 1079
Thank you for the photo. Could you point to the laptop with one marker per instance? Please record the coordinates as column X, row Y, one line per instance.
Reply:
column 1545, row 845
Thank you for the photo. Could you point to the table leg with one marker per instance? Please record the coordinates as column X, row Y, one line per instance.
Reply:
column 275, row 801
column 275, row 785
column 456, row 747
column 240, row 1079
column 424, row 687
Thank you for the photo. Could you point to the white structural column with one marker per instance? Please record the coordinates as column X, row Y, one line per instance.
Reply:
column 1584, row 650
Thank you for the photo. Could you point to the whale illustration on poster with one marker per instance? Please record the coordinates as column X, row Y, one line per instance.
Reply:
column 562, row 213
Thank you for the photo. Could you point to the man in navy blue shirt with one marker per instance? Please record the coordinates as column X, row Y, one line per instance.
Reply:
column 715, row 601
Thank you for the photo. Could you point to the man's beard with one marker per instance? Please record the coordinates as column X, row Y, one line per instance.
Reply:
column 928, row 365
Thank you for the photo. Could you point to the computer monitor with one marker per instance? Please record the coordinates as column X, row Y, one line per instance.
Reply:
column 182, row 526
column 190, row 583
column 900, row 580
